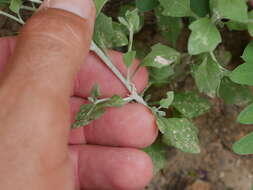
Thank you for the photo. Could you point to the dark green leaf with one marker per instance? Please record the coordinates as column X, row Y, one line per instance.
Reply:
column 208, row 76
column 233, row 25
column 146, row 5
column 190, row 104
column 204, row 37
column 200, row 7
column 129, row 57
column 246, row 116
column 176, row 8
column 236, row 10
column 161, row 56
column 157, row 152
column 170, row 27
column 160, row 76
column 182, row 134
column 233, row 93
column 243, row 74
column 245, row 145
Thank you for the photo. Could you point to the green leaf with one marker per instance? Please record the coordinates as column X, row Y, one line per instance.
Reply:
column 108, row 34
column 204, row 37
column 146, row 5
column 200, row 7
column 246, row 116
column 236, row 10
column 233, row 25
column 161, row 123
column 182, row 134
column 170, row 27
column 190, row 104
column 129, row 58
column 95, row 91
column 161, row 56
column 165, row 103
column 247, row 54
column 233, row 93
column 176, row 8
column 160, row 76
column 157, row 152
column 131, row 20
column 208, row 76
column 99, row 5
column 15, row 5
column 250, row 24
column 93, row 111
column 243, row 74
column 245, row 145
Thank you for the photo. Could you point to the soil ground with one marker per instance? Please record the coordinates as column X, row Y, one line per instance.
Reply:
column 216, row 167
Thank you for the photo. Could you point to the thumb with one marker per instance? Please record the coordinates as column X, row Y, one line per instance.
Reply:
column 35, row 90
column 52, row 45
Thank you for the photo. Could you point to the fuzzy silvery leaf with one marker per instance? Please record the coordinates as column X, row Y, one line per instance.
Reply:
column 204, row 37
column 190, row 104
column 161, row 56
column 208, row 76
column 182, row 134
column 92, row 111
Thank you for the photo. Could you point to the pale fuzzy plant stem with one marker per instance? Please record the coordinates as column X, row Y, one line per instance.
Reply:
column 36, row 1
column 19, row 20
column 28, row 8
column 130, row 87
column 109, row 64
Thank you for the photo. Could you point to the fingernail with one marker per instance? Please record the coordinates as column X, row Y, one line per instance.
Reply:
column 82, row 8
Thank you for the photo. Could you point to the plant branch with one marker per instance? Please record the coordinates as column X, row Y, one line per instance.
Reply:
column 19, row 20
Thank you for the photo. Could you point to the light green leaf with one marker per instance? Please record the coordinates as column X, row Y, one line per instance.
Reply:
column 92, row 111
column 233, row 93
column 182, row 134
column 99, row 5
column 176, row 8
column 161, row 56
column 246, row 116
column 208, row 76
column 170, row 27
column 129, row 58
column 161, row 123
column 157, row 152
column 245, row 145
column 236, row 10
column 247, row 54
column 131, row 20
column 250, row 24
column 190, row 104
column 108, row 34
column 15, row 5
column 146, row 5
column 204, row 37
column 243, row 74
column 165, row 103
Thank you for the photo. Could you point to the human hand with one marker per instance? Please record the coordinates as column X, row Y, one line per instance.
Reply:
column 41, row 91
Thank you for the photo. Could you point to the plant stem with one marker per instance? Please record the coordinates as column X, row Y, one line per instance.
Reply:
column 20, row 21
column 130, row 86
column 110, row 65
column 28, row 8
column 36, row 1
